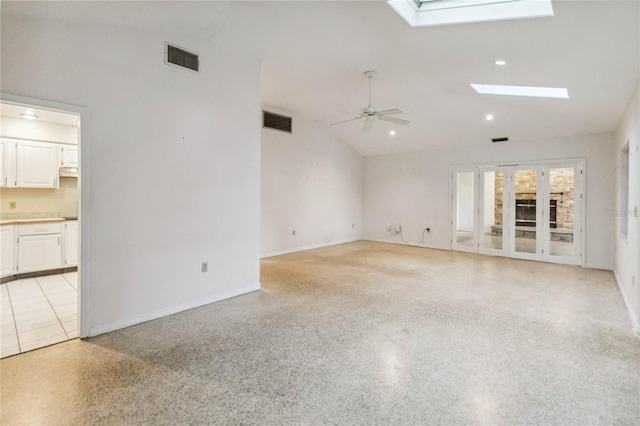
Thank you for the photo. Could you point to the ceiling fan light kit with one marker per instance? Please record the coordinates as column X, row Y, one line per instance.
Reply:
column 370, row 113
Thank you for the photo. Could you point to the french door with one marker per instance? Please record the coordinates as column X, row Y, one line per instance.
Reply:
column 529, row 211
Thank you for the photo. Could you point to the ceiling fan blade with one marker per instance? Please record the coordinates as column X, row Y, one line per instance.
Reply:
column 394, row 120
column 344, row 121
column 391, row 111
column 368, row 124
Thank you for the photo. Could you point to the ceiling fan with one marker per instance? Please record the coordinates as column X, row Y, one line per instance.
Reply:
column 370, row 114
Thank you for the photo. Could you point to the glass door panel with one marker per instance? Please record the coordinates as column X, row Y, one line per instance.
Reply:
column 564, row 216
column 526, row 213
column 561, row 211
column 492, row 195
column 464, row 230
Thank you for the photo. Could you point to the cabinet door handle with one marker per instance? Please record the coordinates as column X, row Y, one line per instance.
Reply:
column 58, row 240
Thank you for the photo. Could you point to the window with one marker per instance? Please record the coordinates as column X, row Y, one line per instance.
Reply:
column 419, row 13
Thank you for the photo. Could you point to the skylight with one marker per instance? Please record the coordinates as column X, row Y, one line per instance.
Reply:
column 420, row 13
column 538, row 92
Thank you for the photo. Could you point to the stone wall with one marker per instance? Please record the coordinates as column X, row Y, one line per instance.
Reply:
column 562, row 180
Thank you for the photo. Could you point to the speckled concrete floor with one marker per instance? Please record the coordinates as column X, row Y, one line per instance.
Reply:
column 361, row 333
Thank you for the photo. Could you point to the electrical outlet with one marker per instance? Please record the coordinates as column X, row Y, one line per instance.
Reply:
column 205, row 266
column 353, row 225
column 12, row 204
column 294, row 232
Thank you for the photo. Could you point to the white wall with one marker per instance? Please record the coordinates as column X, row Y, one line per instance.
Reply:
column 171, row 163
column 311, row 183
column 413, row 189
column 627, row 249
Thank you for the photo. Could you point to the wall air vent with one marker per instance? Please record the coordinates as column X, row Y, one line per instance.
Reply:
column 499, row 139
column 182, row 58
column 277, row 122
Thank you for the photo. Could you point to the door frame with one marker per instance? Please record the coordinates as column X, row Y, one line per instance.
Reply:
column 83, row 191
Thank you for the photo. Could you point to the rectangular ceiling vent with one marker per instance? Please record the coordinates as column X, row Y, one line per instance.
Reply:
column 276, row 122
column 500, row 140
column 182, row 58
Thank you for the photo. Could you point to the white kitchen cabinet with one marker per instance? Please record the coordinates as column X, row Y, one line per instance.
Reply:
column 39, row 253
column 71, row 243
column 36, row 165
column 39, row 247
column 7, row 252
column 7, row 163
column 68, row 156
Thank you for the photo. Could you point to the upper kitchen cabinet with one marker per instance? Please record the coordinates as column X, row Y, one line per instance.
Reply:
column 36, row 165
column 7, row 163
column 68, row 156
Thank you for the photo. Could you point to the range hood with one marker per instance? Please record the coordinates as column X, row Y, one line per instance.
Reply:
column 69, row 172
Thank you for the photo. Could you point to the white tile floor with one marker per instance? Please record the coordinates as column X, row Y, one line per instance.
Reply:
column 38, row 312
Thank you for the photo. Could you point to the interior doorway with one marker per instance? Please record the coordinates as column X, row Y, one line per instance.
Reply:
column 523, row 211
column 40, row 221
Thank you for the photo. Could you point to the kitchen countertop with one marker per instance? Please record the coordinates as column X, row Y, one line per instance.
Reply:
column 30, row 221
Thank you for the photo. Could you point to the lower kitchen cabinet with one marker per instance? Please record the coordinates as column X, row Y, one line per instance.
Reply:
column 71, row 243
column 7, row 252
column 38, row 247
column 39, row 252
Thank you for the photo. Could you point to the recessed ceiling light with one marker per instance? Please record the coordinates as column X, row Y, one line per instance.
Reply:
column 539, row 92
column 501, row 62
column 29, row 116
column 489, row 117
column 392, row 133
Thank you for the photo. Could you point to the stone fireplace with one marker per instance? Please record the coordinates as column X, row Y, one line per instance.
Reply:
column 526, row 212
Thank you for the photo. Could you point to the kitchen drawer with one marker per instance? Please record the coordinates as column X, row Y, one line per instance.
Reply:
column 40, row 229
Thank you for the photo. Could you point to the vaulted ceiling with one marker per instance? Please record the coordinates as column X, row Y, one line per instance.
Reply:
column 314, row 54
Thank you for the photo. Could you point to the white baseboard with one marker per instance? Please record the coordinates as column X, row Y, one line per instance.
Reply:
column 431, row 246
column 310, row 247
column 106, row 328
column 632, row 315
column 603, row 267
